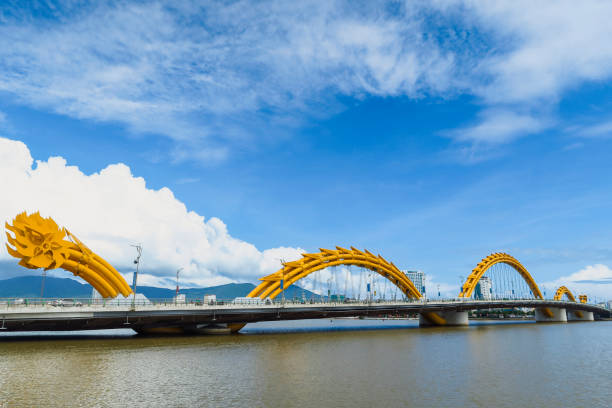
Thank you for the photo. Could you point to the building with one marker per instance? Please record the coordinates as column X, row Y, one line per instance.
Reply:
column 484, row 289
column 418, row 278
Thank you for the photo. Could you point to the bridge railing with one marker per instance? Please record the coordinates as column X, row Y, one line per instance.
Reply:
column 59, row 304
column 126, row 302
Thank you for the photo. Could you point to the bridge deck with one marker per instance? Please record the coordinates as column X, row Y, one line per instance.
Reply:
column 39, row 317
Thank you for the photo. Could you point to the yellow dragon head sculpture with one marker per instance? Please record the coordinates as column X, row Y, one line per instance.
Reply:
column 39, row 243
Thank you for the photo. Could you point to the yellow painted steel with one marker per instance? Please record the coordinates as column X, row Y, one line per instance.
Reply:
column 499, row 257
column 495, row 258
column 564, row 291
column 235, row 327
column 39, row 243
column 296, row 270
column 434, row 318
column 583, row 298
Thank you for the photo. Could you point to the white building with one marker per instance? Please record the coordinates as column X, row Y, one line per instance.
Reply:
column 484, row 289
column 210, row 299
column 418, row 278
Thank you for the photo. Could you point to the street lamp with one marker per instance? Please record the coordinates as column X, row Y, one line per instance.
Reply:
column 135, row 279
column 177, row 280
column 177, row 284
column 282, row 282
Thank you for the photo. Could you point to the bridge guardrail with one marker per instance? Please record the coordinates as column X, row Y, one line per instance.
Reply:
column 58, row 304
column 88, row 302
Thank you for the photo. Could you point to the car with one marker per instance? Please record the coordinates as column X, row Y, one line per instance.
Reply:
column 65, row 303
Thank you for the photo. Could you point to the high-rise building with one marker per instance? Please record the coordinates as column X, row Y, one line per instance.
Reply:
column 484, row 289
column 418, row 279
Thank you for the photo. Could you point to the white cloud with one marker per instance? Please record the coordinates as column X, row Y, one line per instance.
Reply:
column 499, row 126
column 212, row 74
column 532, row 54
column 541, row 51
column 600, row 130
column 593, row 280
column 112, row 209
column 142, row 65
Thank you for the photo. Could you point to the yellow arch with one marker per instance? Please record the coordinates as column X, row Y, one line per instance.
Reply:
column 296, row 270
column 39, row 243
column 499, row 257
column 564, row 291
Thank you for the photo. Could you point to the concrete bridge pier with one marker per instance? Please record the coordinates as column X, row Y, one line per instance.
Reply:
column 580, row 316
column 449, row 318
column 550, row 314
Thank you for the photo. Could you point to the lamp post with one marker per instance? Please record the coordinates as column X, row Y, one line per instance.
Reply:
column 135, row 280
column 282, row 282
column 177, row 285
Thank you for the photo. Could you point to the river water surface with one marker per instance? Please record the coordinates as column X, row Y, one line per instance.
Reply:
column 316, row 364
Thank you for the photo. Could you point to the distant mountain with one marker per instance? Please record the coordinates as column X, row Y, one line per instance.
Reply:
column 29, row 287
column 229, row 291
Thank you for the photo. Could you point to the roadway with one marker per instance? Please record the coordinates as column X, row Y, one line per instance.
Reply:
column 45, row 317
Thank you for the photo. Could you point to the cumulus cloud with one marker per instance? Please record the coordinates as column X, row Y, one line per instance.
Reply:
column 111, row 209
column 593, row 280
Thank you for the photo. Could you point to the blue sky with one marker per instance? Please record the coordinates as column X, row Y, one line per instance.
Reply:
column 432, row 133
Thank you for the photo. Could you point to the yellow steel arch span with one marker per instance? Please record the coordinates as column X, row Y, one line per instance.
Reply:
column 296, row 270
column 499, row 257
column 564, row 291
column 39, row 243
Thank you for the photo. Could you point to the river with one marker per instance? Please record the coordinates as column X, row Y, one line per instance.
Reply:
column 323, row 363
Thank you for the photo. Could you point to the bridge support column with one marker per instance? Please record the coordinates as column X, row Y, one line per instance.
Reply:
column 550, row 314
column 580, row 315
column 443, row 319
